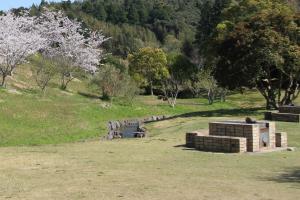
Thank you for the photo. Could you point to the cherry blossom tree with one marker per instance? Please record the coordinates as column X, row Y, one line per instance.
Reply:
column 72, row 46
column 19, row 38
column 52, row 34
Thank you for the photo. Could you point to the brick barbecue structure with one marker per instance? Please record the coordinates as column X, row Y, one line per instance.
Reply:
column 237, row 137
column 285, row 114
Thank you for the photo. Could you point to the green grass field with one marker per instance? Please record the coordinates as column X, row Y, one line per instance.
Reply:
column 29, row 118
column 51, row 149
column 157, row 167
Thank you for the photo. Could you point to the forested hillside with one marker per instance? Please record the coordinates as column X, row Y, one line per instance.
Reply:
column 133, row 24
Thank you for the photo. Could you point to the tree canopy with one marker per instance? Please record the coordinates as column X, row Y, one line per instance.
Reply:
column 256, row 44
column 148, row 65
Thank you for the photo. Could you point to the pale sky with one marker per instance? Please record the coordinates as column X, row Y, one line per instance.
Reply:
column 8, row 4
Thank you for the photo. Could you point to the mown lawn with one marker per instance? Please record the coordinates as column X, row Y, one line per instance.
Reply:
column 155, row 168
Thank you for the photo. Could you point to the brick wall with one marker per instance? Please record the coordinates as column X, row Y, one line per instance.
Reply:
column 284, row 117
column 249, row 131
column 236, row 137
column 190, row 138
column 289, row 109
column 281, row 139
column 221, row 144
column 272, row 131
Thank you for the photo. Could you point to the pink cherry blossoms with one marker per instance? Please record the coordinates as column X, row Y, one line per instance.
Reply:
column 19, row 38
column 67, row 39
column 52, row 34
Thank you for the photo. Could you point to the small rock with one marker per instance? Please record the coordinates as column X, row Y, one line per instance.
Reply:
column 291, row 149
column 13, row 91
column 249, row 120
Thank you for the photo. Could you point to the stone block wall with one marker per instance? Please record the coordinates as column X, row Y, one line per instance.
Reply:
column 190, row 138
column 248, row 131
column 237, row 137
column 272, row 131
column 281, row 139
column 221, row 144
column 283, row 117
column 289, row 109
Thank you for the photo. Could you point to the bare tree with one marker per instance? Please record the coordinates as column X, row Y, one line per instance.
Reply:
column 44, row 69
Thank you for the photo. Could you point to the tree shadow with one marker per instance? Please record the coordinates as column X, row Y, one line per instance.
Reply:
column 89, row 95
column 184, row 147
column 191, row 104
column 222, row 113
column 290, row 176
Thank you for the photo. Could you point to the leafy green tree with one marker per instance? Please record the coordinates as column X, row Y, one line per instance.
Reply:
column 257, row 45
column 211, row 15
column 87, row 7
column 148, row 65
column 114, row 83
column 109, row 80
column 66, row 4
column 100, row 12
column 133, row 15
column 180, row 71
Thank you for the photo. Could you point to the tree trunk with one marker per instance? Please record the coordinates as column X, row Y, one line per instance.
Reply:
column 279, row 90
column 210, row 97
column 174, row 99
column 151, row 88
column 292, row 92
column 65, row 82
column 3, row 80
column 270, row 103
column 296, row 92
column 63, row 86
column 223, row 95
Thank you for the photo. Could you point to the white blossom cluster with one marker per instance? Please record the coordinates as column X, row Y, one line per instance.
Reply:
column 19, row 38
column 51, row 33
column 67, row 39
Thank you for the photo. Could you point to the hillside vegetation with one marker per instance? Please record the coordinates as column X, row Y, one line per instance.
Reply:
column 27, row 117
column 133, row 24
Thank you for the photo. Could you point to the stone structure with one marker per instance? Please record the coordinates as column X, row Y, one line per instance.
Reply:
column 220, row 144
column 281, row 140
column 190, row 139
column 285, row 114
column 259, row 135
column 130, row 128
column 237, row 137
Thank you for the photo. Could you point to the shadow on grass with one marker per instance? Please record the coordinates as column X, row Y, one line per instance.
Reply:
column 89, row 95
column 191, row 104
column 290, row 176
column 222, row 113
column 185, row 148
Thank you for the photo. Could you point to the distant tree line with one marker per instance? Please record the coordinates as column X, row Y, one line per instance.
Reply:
column 133, row 24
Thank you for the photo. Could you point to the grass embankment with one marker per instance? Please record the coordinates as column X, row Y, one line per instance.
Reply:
column 29, row 118
column 26, row 118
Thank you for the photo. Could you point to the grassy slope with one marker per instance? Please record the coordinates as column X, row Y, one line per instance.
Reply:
column 28, row 118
